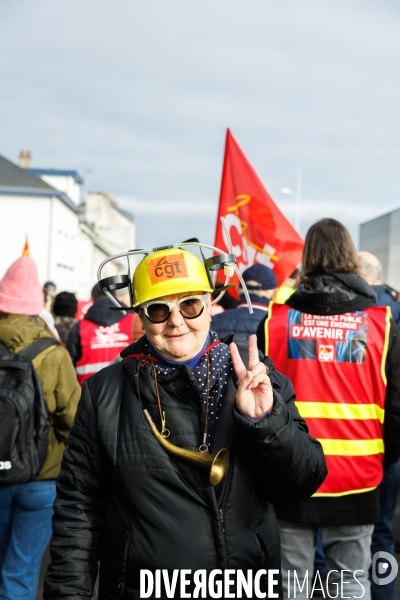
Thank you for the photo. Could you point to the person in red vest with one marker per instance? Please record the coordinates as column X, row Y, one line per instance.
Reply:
column 97, row 340
column 341, row 353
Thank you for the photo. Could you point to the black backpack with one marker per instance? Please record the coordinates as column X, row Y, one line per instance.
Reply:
column 24, row 422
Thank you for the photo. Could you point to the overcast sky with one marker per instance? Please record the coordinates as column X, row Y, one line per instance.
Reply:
column 137, row 95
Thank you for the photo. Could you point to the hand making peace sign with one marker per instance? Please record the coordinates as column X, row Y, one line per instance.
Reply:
column 254, row 395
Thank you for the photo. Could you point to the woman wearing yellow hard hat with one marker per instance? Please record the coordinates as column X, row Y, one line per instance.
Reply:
column 146, row 483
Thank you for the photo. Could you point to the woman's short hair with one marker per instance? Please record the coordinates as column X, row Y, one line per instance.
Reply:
column 328, row 249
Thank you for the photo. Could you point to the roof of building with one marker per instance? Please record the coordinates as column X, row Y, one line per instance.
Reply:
column 58, row 173
column 113, row 203
column 20, row 182
column 13, row 176
column 128, row 215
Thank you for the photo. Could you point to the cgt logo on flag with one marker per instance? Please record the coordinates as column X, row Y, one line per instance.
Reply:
column 260, row 233
column 247, row 251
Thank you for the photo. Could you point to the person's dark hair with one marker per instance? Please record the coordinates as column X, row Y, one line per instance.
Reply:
column 328, row 249
column 65, row 304
column 97, row 293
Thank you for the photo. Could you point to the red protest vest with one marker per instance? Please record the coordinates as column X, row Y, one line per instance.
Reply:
column 101, row 345
column 337, row 366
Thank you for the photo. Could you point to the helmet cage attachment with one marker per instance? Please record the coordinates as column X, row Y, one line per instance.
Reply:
column 222, row 261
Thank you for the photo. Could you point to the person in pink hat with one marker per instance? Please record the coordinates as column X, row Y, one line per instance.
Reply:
column 26, row 508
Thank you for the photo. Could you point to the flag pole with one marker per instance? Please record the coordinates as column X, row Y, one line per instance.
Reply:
column 298, row 200
column 224, row 167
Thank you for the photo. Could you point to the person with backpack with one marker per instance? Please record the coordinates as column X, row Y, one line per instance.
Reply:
column 39, row 394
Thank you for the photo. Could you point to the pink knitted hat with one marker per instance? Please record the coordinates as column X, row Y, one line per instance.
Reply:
column 20, row 290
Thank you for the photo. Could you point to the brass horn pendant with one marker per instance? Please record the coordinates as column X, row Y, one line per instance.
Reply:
column 217, row 464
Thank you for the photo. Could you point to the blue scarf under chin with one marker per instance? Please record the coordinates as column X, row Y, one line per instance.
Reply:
column 191, row 363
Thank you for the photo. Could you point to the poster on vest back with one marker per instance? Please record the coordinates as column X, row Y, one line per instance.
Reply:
column 333, row 338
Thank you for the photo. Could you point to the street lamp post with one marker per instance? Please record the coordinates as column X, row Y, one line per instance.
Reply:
column 297, row 196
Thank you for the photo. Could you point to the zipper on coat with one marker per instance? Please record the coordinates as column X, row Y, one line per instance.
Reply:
column 121, row 579
column 226, row 491
column 222, row 519
column 225, row 495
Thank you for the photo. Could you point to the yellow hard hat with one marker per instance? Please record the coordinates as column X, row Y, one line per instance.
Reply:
column 168, row 271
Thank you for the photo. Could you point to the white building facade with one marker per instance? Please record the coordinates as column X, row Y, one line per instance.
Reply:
column 66, row 247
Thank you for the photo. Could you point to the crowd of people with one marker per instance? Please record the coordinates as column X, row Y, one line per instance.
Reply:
column 181, row 435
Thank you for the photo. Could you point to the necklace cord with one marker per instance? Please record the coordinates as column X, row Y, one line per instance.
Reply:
column 165, row 432
column 207, row 395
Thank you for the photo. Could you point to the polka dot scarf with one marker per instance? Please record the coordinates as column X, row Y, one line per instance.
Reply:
column 220, row 369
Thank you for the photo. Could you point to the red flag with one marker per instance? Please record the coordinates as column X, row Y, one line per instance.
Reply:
column 82, row 308
column 260, row 232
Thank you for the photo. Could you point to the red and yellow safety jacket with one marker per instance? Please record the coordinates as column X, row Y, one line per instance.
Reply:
column 337, row 366
column 101, row 345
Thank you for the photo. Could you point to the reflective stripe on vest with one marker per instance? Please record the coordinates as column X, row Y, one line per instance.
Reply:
column 337, row 366
column 101, row 345
column 90, row 369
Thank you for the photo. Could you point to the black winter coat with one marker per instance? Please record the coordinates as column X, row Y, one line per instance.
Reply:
column 337, row 294
column 123, row 500
column 385, row 298
column 238, row 320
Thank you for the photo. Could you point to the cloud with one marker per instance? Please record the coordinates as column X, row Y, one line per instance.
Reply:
column 167, row 207
column 162, row 222
column 141, row 93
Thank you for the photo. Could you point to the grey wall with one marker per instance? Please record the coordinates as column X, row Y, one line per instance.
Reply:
column 393, row 273
column 381, row 236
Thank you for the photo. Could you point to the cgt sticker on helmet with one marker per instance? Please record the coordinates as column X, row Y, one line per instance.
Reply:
column 167, row 267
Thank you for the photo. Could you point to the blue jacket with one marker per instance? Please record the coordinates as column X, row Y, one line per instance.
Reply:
column 385, row 298
column 238, row 320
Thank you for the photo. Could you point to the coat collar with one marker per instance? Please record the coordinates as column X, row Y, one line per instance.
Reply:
column 333, row 293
